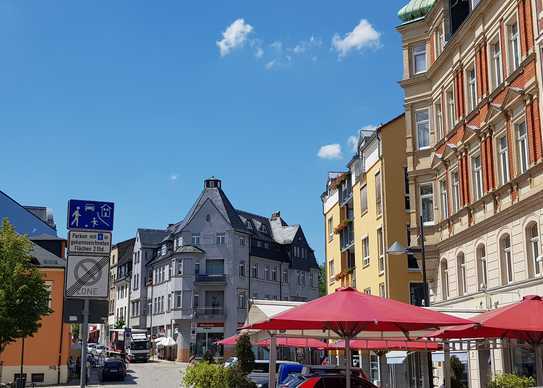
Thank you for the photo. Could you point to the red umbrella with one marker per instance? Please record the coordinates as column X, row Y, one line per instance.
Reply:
column 348, row 312
column 362, row 344
column 228, row 341
column 295, row 343
column 522, row 320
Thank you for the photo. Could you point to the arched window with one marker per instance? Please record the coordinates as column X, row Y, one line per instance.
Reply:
column 533, row 248
column 444, row 279
column 461, row 270
column 506, row 260
column 482, row 272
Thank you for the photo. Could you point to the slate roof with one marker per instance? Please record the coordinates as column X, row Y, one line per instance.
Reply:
column 126, row 251
column 152, row 236
column 189, row 249
column 46, row 258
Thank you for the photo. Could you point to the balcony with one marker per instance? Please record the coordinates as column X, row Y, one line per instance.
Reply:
column 347, row 237
column 215, row 279
column 209, row 313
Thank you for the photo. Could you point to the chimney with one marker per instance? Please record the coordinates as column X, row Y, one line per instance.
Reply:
column 276, row 214
column 212, row 183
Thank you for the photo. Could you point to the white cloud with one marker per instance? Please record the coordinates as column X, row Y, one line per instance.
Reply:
column 330, row 151
column 173, row 177
column 363, row 35
column 234, row 36
column 352, row 141
column 306, row 45
column 259, row 52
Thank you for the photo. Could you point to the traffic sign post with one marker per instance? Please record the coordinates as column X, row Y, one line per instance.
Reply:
column 87, row 271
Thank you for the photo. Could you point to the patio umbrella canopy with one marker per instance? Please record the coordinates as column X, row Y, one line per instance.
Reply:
column 376, row 345
column 295, row 343
column 228, row 341
column 348, row 312
column 522, row 320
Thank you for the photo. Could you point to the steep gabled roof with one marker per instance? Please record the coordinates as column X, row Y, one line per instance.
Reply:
column 151, row 236
column 221, row 202
column 22, row 219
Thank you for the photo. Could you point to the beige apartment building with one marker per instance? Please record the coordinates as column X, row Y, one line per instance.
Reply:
column 472, row 82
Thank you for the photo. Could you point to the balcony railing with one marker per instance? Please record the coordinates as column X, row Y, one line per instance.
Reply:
column 211, row 278
column 209, row 312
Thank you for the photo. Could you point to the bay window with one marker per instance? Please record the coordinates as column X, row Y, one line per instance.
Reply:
column 427, row 203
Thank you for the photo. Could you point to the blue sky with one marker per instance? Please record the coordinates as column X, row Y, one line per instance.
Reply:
column 137, row 102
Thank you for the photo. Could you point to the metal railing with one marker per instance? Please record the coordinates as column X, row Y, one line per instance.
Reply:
column 209, row 312
column 210, row 278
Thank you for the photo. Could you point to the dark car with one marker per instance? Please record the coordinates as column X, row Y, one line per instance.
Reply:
column 113, row 368
column 333, row 381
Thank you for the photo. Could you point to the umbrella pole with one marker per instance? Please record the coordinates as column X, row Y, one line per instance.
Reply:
column 538, row 363
column 384, row 372
column 348, row 361
column 273, row 359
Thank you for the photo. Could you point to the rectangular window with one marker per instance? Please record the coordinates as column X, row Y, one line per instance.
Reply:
column 331, row 272
column 367, row 291
column 254, row 271
column 422, row 123
column 178, row 299
column 242, row 269
column 503, row 159
column 378, row 194
column 439, row 120
column 242, row 241
column 514, row 46
column 330, row 229
column 382, row 292
column 496, row 63
column 439, row 40
column 381, row 250
column 365, row 251
column 427, row 203
column 215, row 266
column 267, row 272
column 419, row 58
column 285, row 276
column 220, row 238
column 444, row 195
column 274, row 274
column 472, row 89
column 522, row 146
column 477, row 177
column 451, row 108
column 242, row 299
column 196, row 239
column 197, row 268
column 195, row 301
column 455, row 191
column 364, row 199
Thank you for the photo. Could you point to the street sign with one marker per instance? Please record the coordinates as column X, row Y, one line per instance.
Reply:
column 90, row 215
column 87, row 277
column 89, row 243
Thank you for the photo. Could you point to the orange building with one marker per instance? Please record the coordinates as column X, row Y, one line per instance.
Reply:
column 46, row 353
column 45, row 358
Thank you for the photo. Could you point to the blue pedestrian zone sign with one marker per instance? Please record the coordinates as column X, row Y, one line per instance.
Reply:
column 91, row 215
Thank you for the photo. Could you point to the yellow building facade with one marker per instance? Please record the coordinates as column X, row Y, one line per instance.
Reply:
column 365, row 212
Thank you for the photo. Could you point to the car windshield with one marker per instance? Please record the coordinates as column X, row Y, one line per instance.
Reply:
column 138, row 345
column 113, row 364
column 262, row 367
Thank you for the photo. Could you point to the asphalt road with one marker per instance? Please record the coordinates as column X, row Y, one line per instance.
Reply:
column 153, row 374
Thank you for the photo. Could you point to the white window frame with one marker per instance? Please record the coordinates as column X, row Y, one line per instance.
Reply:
column 438, row 117
column 331, row 269
column 535, row 250
column 444, row 198
column 364, row 199
column 381, row 250
column 220, row 238
column 330, row 228
column 482, row 267
column 195, row 239
column 445, row 289
column 472, row 87
column 422, row 125
column 451, row 108
column 496, row 62
column 378, row 193
column 365, row 251
column 462, row 275
column 522, row 146
column 507, row 259
column 419, row 50
column 477, row 173
column 503, row 159
column 513, row 44
column 423, row 197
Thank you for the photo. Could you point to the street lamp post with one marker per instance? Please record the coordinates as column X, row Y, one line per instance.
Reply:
column 398, row 249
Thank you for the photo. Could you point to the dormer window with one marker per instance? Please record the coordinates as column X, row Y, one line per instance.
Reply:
column 249, row 225
column 263, row 228
column 164, row 249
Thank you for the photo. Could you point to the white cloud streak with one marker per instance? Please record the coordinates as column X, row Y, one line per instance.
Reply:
column 234, row 36
column 330, row 151
column 362, row 36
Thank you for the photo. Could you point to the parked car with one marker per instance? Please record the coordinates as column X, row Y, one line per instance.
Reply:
column 292, row 381
column 331, row 369
column 98, row 350
column 113, row 368
column 261, row 369
column 286, row 369
column 330, row 380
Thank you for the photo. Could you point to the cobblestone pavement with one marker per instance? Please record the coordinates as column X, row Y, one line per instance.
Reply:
column 153, row 374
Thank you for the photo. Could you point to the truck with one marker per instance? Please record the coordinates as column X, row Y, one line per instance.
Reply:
column 130, row 344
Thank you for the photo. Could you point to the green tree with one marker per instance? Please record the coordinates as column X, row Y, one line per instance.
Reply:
column 457, row 373
column 119, row 324
column 24, row 296
column 245, row 355
column 511, row 381
column 322, row 280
